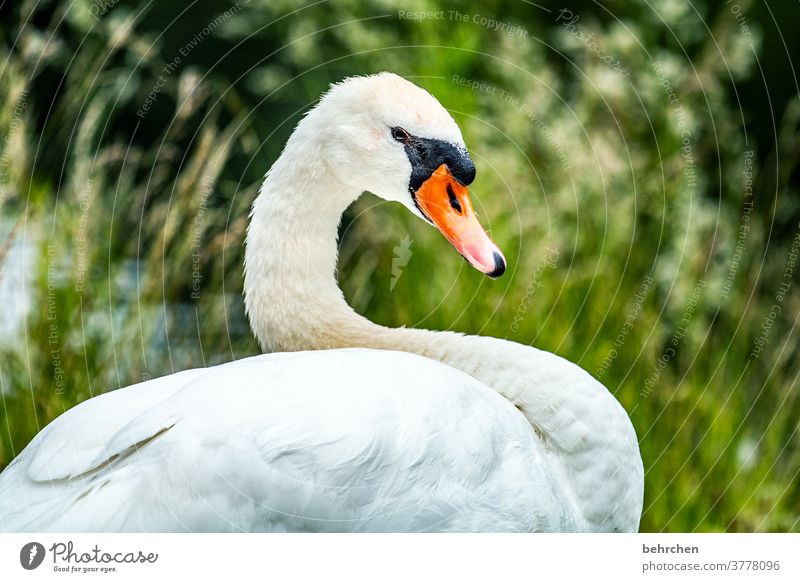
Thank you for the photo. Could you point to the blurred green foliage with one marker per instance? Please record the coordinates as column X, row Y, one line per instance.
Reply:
column 616, row 156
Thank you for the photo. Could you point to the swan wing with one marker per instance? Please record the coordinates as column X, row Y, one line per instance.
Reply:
column 338, row 440
column 71, row 445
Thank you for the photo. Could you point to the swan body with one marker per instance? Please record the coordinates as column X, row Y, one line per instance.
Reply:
column 349, row 426
column 276, row 453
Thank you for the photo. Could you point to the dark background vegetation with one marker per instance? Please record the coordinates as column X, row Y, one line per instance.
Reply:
column 108, row 212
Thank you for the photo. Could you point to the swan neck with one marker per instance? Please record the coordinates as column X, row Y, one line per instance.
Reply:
column 292, row 296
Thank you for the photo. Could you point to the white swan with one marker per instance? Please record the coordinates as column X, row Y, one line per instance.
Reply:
column 371, row 429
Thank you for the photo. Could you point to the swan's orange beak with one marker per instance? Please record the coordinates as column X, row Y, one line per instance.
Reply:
column 446, row 203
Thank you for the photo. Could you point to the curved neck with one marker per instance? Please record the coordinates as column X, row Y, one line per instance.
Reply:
column 294, row 303
column 291, row 292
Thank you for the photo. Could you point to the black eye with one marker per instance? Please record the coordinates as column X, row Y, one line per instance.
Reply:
column 400, row 134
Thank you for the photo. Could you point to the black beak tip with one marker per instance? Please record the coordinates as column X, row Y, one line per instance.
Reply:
column 499, row 266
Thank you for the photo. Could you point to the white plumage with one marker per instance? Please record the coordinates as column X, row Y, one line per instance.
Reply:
column 274, row 451
column 423, row 431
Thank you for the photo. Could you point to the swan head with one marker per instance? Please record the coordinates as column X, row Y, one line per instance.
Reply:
column 386, row 135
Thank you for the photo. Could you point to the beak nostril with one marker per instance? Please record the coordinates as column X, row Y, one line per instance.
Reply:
column 454, row 203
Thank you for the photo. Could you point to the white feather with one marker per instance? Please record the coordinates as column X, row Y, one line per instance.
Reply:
column 338, row 440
